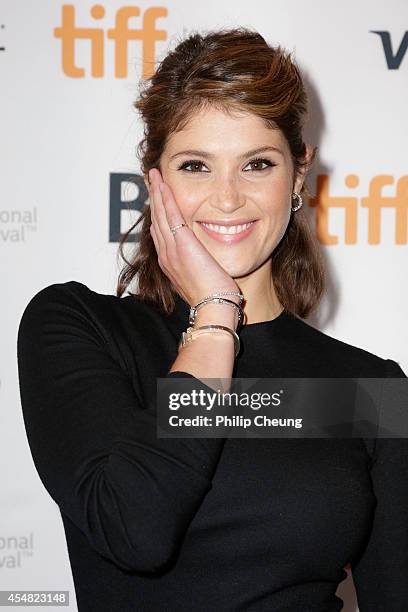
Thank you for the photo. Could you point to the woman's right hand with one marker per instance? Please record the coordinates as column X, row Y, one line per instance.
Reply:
column 183, row 258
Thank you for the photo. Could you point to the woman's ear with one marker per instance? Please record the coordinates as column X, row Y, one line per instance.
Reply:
column 311, row 152
column 308, row 158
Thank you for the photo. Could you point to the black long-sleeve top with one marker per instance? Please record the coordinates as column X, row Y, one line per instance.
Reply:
column 203, row 524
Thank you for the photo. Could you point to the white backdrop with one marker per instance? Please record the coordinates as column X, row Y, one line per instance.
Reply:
column 68, row 139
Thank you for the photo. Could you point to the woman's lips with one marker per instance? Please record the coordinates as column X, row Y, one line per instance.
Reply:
column 229, row 238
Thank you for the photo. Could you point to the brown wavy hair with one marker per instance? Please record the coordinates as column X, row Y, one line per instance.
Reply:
column 229, row 69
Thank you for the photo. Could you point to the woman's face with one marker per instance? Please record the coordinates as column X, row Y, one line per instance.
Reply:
column 219, row 180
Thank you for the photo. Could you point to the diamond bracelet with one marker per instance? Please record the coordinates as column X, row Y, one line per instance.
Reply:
column 216, row 300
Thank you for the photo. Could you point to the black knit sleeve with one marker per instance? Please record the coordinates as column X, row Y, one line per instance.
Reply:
column 381, row 573
column 95, row 447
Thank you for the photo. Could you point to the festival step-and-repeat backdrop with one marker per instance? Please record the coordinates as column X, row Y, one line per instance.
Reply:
column 71, row 185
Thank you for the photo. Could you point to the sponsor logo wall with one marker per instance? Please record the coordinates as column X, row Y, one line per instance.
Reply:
column 70, row 186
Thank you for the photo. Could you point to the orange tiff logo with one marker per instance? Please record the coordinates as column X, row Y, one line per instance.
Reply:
column 375, row 202
column 121, row 34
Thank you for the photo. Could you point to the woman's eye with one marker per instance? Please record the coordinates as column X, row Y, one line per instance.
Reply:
column 193, row 163
column 196, row 163
column 259, row 161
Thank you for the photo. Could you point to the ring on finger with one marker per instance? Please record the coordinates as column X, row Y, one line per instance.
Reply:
column 176, row 227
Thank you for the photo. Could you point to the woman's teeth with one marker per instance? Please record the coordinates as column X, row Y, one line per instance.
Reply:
column 224, row 229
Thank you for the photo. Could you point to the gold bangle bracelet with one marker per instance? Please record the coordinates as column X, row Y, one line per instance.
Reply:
column 191, row 332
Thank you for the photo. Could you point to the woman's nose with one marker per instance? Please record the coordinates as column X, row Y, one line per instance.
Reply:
column 227, row 196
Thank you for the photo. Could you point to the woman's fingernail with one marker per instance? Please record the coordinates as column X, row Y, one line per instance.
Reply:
column 161, row 187
column 150, row 174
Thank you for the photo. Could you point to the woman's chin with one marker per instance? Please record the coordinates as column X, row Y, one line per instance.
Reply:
column 234, row 270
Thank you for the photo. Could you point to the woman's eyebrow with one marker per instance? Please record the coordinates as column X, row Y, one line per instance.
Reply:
column 201, row 153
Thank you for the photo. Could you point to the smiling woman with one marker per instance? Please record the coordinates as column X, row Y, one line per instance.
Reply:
column 225, row 131
column 230, row 197
column 211, row 524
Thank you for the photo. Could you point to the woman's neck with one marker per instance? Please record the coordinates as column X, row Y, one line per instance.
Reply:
column 260, row 300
